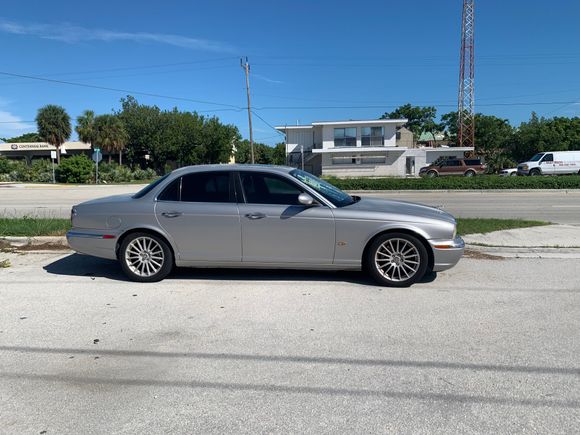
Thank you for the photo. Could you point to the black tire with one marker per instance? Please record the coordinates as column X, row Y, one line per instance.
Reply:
column 432, row 174
column 469, row 173
column 535, row 172
column 156, row 252
column 514, row 174
column 390, row 272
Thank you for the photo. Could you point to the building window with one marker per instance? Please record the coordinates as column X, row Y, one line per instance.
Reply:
column 372, row 136
column 344, row 160
column 345, row 137
column 373, row 160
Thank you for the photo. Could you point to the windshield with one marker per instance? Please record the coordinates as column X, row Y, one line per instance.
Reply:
column 327, row 190
column 150, row 187
column 536, row 157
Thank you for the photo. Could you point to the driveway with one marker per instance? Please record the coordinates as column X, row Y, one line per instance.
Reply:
column 490, row 346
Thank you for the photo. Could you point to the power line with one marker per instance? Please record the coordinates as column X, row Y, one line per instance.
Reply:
column 385, row 106
column 162, row 65
column 267, row 123
column 105, row 88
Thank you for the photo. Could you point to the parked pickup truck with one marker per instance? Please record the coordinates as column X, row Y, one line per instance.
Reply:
column 465, row 167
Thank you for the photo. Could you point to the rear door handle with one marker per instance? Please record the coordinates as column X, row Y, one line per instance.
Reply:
column 171, row 214
column 255, row 216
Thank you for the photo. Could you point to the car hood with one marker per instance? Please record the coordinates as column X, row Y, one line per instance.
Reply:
column 401, row 208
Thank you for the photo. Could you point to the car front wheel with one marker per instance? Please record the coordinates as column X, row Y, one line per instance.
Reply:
column 432, row 174
column 396, row 260
column 145, row 257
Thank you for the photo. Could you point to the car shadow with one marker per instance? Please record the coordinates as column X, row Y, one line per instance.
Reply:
column 84, row 265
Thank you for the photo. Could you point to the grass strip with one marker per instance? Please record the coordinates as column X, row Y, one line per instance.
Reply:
column 33, row 227
column 481, row 225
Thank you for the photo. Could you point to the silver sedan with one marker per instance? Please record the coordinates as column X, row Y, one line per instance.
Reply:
column 263, row 217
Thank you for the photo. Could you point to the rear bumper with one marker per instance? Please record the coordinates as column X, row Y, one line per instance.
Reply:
column 446, row 253
column 101, row 244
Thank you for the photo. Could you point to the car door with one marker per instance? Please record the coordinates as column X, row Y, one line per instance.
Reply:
column 276, row 228
column 547, row 164
column 199, row 211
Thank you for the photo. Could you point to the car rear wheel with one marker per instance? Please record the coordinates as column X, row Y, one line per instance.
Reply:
column 432, row 174
column 145, row 257
column 396, row 260
column 470, row 173
column 514, row 174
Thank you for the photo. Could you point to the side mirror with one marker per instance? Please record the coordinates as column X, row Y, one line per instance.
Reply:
column 305, row 199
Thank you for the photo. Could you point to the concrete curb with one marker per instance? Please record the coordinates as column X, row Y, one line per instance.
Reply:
column 31, row 242
column 523, row 252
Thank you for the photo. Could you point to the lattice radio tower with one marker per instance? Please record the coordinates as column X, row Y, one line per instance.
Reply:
column 466, row 106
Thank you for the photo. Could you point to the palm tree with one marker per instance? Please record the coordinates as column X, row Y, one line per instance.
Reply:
column 53, row 125
column 110, row 135
column 86, row 127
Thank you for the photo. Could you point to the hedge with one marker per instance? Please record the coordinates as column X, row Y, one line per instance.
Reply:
column 451, row 183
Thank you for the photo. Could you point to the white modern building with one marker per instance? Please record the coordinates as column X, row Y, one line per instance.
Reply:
column 368, row 148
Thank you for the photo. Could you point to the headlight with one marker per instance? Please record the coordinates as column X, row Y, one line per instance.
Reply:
column 525, row 167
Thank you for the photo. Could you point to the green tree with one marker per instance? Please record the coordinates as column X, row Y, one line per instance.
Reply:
column 279, row 154
column 263, row 154
column 86, row 127
column 26, row 137
column 110, row 135
column 420, row 119
column 53, row 126
column 546, row 134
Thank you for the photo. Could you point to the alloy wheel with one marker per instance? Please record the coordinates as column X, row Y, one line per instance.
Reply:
column 144, row 256
column 397, row 259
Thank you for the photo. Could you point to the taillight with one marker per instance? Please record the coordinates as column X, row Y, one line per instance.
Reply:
column 73, row 213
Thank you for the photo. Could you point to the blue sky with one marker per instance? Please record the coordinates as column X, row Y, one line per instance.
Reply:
column 309, row 59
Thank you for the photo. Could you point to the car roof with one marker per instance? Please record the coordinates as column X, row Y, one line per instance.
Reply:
column 234, row 167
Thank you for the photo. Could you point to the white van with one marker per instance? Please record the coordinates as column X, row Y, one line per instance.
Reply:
column 552, row 163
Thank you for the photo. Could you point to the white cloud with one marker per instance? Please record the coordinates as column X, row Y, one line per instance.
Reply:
column 266, row 79
column 12, row 125
column 74, row 34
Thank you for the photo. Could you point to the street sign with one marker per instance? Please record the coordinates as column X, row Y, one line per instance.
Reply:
column 53, row 155
column 97, row 156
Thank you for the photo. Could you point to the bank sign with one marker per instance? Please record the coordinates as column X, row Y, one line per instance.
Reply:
column 30, row 146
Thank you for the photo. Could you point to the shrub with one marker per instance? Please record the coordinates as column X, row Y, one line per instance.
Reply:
column 452, row 183
column 76, row 169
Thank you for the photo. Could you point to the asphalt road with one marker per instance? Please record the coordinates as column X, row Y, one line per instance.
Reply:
column 552, row 206
column 491, row 346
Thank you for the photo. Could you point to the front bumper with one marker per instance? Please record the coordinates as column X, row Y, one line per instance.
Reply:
column 446, row 253
column 101, row 244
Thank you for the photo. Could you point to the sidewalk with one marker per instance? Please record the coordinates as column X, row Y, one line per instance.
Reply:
column 550, row 241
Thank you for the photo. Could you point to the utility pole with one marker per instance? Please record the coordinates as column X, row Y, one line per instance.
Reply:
column 246, row 67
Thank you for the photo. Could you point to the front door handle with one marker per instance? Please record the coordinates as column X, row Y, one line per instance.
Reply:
column 255, row 216
column 171, row 214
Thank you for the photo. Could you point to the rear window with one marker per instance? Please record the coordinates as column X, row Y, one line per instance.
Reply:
column 150, row 187
column 472, row 162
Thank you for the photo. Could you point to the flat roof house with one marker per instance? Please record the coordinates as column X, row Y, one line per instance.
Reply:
column 369, row 148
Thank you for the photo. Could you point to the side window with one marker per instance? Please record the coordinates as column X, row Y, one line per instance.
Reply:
column 269, row 189
column 206, row 187
column 548, row 158
column 171, row 192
